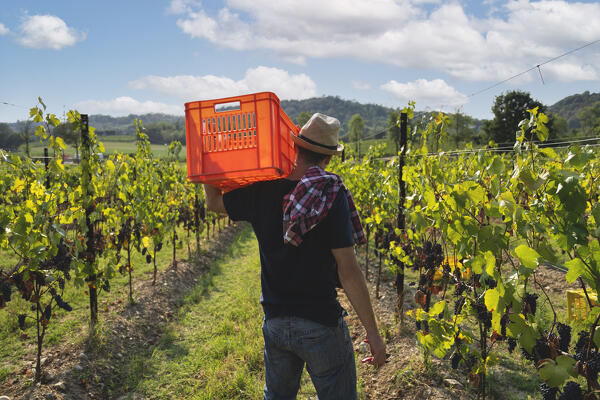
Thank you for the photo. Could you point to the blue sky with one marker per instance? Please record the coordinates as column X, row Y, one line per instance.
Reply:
column 134, row 56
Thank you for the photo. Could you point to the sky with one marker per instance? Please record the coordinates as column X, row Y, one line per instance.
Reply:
column 118, row 57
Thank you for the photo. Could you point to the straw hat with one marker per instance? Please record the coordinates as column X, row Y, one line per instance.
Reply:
column 320, row 134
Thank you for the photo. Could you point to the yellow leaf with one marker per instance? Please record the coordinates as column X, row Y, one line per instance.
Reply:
column 18, row 185
column 60, row 142
column 378, row 219
column 146, row 241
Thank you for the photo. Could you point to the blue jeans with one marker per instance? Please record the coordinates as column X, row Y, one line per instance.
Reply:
column 290, row 342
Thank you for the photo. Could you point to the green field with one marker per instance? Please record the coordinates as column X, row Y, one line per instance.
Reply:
column 114, row 145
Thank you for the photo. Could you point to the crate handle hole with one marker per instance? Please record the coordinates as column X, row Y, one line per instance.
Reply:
column 230, row 106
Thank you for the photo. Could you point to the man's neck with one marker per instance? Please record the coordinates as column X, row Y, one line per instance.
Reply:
column 300, row 170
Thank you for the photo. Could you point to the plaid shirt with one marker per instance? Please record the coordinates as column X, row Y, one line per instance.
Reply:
column 309, row 203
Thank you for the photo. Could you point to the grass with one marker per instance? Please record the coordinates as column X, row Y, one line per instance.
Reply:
column 114, row 145
column 68, row 328
column 214, row 347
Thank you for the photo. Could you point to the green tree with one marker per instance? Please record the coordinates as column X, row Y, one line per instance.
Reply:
column 26, row 131
column 394, row 127
column 509, row 109
column 357, row 130
column 69, row 135
column 303, row 117
column 8, row 138
column 590, row 119
column 558, row 125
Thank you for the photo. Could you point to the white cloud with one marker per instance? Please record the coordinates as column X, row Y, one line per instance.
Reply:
column 407, row 33
column 434, row 93
column 182, row 6
column 561, row 70
column 3, row 29
column 191, row 87
column 126, row 105
column 358, row 85
column 48, row 32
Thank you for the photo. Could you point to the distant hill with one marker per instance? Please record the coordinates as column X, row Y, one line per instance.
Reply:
column 571, row 105
column 375, row 116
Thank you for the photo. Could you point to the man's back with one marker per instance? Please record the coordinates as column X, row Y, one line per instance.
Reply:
column 298, row 281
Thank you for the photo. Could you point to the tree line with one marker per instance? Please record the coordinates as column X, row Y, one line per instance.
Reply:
column 509, row 109
column 574, row 116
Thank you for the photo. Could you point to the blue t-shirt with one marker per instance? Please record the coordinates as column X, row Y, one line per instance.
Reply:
column 296, row 281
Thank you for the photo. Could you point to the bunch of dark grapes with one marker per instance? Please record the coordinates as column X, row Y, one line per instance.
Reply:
column 482, row 313
column 582, row 345
column 503, row 322
column 137, row 233
column 47, row 314
column 529, row 303
column 512, row 343
column 124, row 233
column 106, row 285
column 548, row 393
column 458, row 305
column 446, row 270
column 430, row 256
column 540, row 351
column 62, row 304
column 435, row 258
column 592, row 366
column 61, row 261
column 456, row 357
column 564, row 333
column 459, row 288
column 571, row 391
column 21, row 320
column 5, row 289
column 491, row 283
column 24, row 287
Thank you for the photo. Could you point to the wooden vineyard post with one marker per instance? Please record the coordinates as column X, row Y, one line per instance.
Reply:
column 46, row 163
column 86, row 186
column 197, row 222
column 401, row 220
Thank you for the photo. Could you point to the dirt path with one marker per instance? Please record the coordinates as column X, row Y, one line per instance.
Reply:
column 404, row 376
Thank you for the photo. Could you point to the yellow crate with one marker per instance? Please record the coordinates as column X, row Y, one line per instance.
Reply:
column 577, row 305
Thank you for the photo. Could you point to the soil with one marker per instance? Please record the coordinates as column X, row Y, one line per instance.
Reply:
column 404, row 376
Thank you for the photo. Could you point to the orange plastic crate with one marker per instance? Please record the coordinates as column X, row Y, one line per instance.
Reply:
column 236, row 141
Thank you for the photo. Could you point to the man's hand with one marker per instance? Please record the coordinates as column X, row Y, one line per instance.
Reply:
column 354, row 285
column 377, row 349
column 214, row 199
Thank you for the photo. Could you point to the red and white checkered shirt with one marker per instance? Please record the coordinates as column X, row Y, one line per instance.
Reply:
column 309, row 203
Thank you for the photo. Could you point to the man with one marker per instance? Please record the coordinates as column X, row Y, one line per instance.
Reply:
column 307, row 226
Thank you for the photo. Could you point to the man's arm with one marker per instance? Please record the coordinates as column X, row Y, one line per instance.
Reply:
column 214, row 199
column 355, row 287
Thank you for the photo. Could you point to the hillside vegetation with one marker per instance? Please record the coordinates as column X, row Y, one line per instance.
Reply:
column 571, row 107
